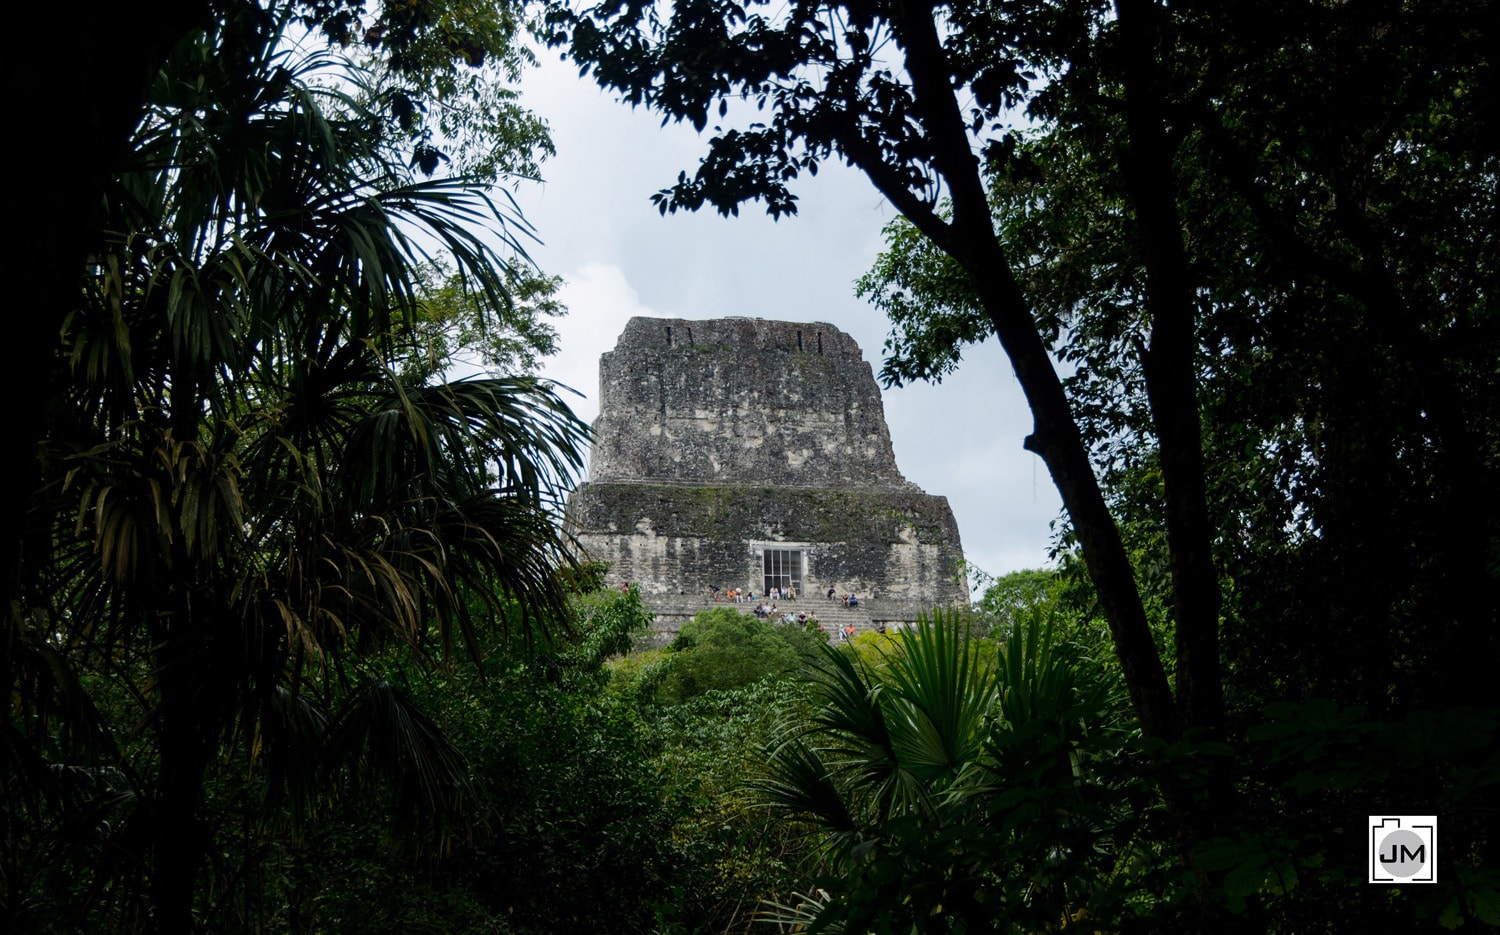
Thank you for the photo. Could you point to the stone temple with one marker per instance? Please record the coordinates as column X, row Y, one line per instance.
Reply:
column 751, row 454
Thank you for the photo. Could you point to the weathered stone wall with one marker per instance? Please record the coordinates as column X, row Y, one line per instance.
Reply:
column 676, row 540
column 719, row 439
column 740, row 400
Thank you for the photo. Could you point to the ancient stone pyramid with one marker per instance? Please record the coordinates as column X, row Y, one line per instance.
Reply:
column 750, row 454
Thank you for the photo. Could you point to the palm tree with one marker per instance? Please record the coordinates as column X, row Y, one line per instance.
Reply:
column 951, row 786
column 245, row 496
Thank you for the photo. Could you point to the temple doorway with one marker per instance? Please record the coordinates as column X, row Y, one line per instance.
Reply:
column 782, row 569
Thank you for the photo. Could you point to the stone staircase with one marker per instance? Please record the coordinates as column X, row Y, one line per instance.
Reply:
column 673, row 611
column 833, row 616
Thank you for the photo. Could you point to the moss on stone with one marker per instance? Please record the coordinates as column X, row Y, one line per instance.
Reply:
column 811, row 514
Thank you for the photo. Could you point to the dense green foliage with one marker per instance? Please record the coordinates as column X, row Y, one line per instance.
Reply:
column 999, row 786
column 1012, row 599
column 244, row 500
column 721, row 649
column 292, row 642
column 734, row 853
column 960, row 786
column 564, row 829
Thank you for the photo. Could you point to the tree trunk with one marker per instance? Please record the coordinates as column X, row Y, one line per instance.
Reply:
column 1170, row 371
column 193, row 695
column 76, row 99
column 970, row 239
column 178, row 840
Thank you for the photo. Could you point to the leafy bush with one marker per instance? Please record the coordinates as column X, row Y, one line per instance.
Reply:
column 722, row 649
column 733, row 852
column 565, row 827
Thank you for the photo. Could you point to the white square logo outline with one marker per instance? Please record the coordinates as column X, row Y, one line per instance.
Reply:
column 1403, row 849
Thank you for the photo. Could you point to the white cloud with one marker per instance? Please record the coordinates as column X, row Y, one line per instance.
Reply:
column 600, row 301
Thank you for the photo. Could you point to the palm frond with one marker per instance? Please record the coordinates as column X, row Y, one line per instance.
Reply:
column 288, row 735
column 807, row 914
column 945, row 692
column 800, row 784
column 383, row 731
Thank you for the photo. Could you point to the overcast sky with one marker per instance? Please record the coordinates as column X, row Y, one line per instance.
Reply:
column 620, row 258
